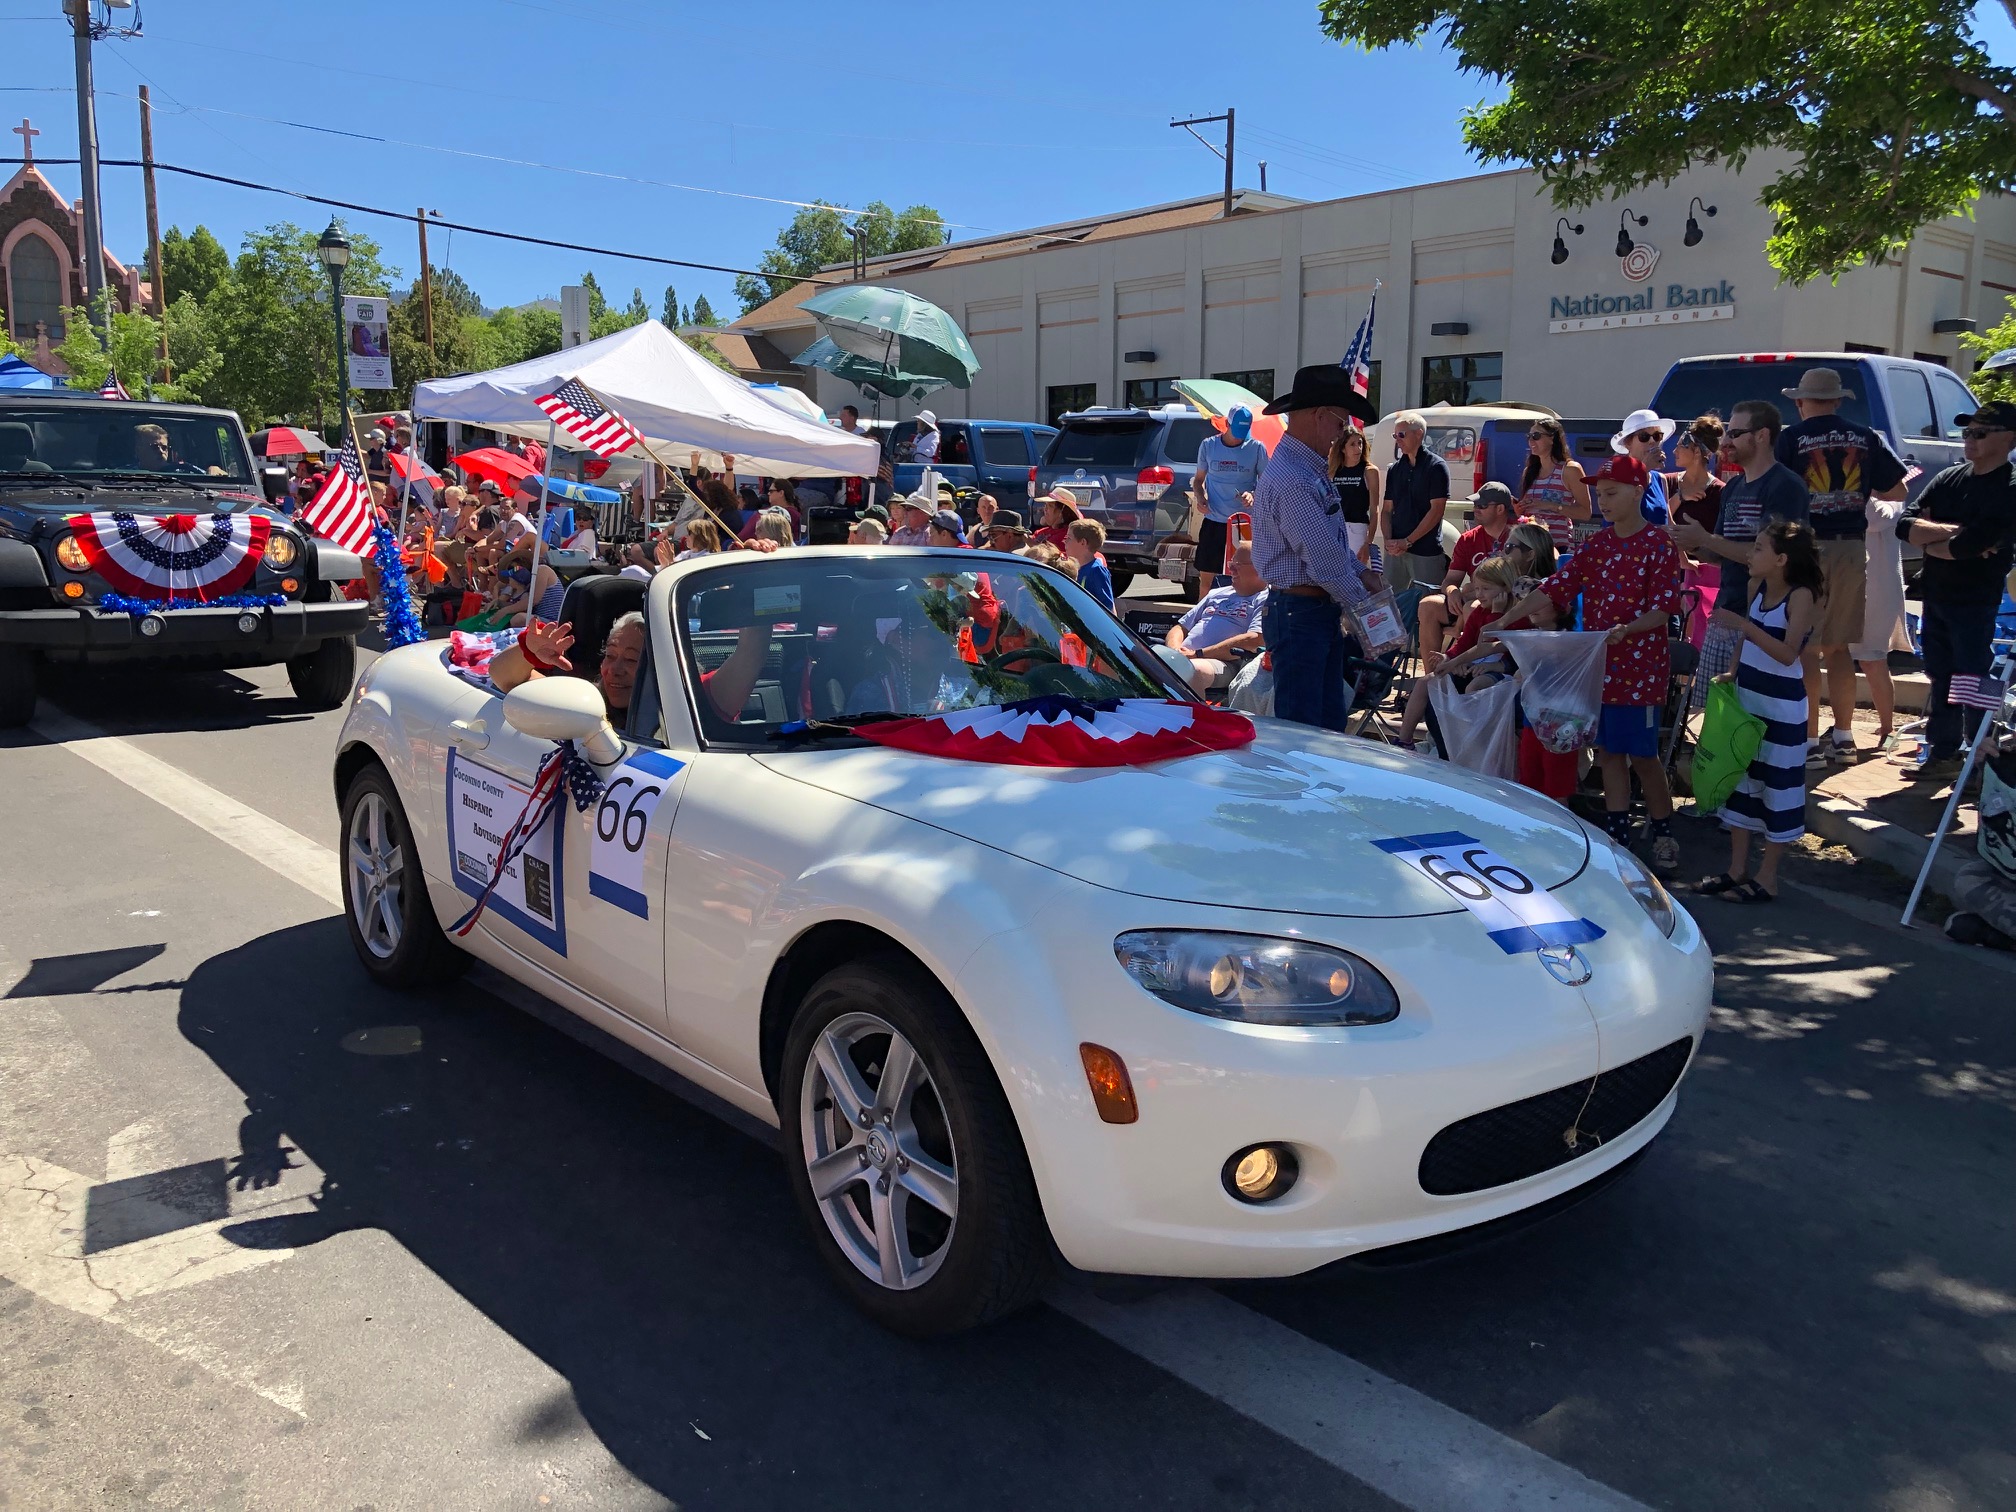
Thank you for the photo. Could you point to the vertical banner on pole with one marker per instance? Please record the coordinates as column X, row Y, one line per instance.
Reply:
column 367, row 341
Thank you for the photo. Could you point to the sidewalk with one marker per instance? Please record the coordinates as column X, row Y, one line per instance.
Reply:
column 1874, row 810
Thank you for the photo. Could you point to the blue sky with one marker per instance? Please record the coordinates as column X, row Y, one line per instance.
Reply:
column 1000, row 118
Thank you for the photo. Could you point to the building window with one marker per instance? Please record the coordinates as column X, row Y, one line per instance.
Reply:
column 1476, row 379
column 1254, row 380
column 1061, row 398
column 35, row 280
column 1147, row 393
column 1932, row 357
column 1863, row 346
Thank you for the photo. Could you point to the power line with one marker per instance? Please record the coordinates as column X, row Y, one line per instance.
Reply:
column 406, row 217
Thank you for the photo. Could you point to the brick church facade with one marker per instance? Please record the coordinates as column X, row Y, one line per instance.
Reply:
column 41, row 261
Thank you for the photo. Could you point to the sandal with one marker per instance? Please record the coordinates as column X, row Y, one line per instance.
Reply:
column 1715, row 886
column 1749, row 890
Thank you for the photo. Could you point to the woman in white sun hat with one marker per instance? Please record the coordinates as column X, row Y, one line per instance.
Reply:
column 1644, row 436
column 924, row 446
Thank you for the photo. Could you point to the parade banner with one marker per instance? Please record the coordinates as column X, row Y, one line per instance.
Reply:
column 368, row 341
column 483, row 804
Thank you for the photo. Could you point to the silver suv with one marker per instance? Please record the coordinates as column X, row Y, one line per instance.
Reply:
column 1131, row 470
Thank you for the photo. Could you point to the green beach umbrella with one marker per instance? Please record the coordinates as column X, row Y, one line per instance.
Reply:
column 897, row 331
column 867, row 374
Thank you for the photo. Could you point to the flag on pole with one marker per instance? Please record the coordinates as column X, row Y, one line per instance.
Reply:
column 1357, row 361
column 112, row 388
column 587, row 420
column 1977, row 692
column 341, row 508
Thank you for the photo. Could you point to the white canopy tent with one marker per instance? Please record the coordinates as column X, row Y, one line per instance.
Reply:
column 676, row 398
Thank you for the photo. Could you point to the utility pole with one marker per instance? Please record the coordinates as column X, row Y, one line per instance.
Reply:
column 154, row 227
column 1226, row 153
column 79, row 12
column 426, row 284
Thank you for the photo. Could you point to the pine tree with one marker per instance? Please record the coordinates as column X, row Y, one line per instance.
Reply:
column 703, row 312
column 670, row 318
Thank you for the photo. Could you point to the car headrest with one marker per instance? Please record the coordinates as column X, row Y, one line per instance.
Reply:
column 591, row 606
column 17, row 441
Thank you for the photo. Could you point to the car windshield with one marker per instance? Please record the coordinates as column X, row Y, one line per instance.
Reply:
column 771, row 642
column 1702, row 388
column 83, row 440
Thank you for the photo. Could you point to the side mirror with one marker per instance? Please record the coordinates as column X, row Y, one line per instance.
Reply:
column 564, row 708
column 273, row 483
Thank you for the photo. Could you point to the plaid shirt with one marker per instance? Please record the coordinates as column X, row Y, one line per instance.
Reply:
column 1298, row 526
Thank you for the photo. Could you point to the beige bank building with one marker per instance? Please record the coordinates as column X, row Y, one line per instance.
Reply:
column 1485, row 292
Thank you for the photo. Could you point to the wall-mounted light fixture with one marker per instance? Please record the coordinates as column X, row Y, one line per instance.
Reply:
column 1137, row 357
column 1449, row 328
column 1693, row 236
column 1561, row 247
column 1955, row 327
column 1624, row 242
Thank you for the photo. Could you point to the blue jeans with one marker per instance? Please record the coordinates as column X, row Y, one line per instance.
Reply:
column 1954, row 638
column 1305, row 638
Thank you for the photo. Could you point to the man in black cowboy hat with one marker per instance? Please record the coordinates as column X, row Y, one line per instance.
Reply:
column 1300, row 548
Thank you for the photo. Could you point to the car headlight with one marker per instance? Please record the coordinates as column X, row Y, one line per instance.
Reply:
column 70, row 555
column 1257, row 979
column 282, row 551
column 1650, row 892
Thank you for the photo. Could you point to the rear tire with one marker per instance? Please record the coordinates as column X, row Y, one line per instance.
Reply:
column 1123, row 578
column 944, row 1138
column 17, row 687
column 392, row 923
column 321, row 678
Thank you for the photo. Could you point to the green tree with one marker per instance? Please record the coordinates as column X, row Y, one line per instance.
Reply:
column 454, row 288
column 194, row 264
column 818, row 237
column 639, row 312
column 1998, row 337
column 134, row 353
column 703, row 313
column 511, row 336
column 669, row 317
column 1893, row 114
column 597, row 305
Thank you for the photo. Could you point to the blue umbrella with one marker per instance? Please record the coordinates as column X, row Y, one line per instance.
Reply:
column 16, row 374
column 575, row 493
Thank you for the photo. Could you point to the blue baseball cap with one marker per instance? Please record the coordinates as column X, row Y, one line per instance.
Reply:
column 1239, row 422
column 945, row 519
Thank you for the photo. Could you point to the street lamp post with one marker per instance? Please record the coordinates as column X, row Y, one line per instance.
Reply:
column 334, row 250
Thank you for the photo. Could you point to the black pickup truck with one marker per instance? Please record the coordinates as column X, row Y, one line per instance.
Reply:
column 109, row 507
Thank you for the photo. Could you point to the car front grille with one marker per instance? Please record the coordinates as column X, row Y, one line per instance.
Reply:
column 1539, row 1133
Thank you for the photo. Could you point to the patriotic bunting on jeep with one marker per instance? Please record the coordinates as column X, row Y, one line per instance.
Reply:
column 172, row 556
column 1061, row 731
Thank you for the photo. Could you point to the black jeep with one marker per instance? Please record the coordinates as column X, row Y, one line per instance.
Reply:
column 65, row 454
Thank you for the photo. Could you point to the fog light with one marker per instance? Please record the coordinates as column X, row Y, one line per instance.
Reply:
column 1112, row 1088
column 73, row 590
column 1261, row 1173
column 152, row 624
column 248, row 622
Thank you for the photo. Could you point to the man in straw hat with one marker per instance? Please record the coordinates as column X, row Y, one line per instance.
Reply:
column 1850, row 472
column 915, row 529
column 1300, row 548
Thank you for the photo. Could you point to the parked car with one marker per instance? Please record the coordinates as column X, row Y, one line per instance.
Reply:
column 87, row 481
column 985, row 456
column 1366, row 1000
column 1485, row 443
column 1131, row 469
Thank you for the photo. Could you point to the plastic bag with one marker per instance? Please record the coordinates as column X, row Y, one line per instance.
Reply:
column 1479, row 729
column 1560, row 684
column 1730, row 736
column 1252, row 690
column 1378, row 625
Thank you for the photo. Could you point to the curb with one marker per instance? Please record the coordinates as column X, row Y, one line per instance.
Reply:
column 1842, row 821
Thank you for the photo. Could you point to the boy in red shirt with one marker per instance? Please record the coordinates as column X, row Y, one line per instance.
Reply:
column 1629, row 579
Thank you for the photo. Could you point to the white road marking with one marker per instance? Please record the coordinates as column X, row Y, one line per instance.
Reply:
column 267, row 841
column 1408, row 1446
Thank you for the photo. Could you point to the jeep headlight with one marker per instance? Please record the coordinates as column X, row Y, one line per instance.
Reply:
column 69, row 555
column 282, row 551
column 1257, row 979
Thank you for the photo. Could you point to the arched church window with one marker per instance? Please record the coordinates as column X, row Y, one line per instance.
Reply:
column 35, row 284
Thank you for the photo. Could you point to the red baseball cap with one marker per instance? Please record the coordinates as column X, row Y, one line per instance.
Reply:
column 1622, row 469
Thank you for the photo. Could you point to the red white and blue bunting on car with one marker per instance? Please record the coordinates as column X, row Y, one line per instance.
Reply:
column 173, row 556
column 1061, row 731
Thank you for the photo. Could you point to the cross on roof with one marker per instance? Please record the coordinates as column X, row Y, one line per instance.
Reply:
column 27, row 134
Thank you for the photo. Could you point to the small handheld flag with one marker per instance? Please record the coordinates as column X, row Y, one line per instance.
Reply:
column 112, row 388
column 581, row 415
column 1976, row 692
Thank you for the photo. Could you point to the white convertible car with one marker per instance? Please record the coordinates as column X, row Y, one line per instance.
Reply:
column 923, row 857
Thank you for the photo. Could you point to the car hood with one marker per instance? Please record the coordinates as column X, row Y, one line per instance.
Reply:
column 63, row 500
column 1286, row 824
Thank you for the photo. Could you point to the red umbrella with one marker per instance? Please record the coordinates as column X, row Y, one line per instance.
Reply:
column 399, row 462
column 288, row 441
column 498, row 465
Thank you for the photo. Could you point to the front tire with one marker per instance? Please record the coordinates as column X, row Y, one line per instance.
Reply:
column 17, row 687
column 321, row 678
column 904, row 1157
column 392, row 924
column 1123, row 579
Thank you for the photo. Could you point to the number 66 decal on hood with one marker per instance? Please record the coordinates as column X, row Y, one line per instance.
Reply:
column 1517, row 913
column 620, row 822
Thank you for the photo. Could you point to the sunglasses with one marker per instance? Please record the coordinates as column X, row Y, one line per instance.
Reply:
column 1649, row 435
column 1740, row 430
column 1539, row 435
column 1981, row 432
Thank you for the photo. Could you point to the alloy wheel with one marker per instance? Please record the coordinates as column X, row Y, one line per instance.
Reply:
column 377, row 875
column 878, row 1151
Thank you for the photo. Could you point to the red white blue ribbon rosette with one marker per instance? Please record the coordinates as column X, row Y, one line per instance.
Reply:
column 1061, row 731
column 172, row 556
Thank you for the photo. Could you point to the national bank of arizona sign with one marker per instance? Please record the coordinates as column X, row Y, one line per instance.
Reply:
column 1683, row 305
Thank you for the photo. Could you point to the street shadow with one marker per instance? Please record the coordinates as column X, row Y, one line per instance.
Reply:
column 650, row 1254
column 138, row 700
column 85, row 971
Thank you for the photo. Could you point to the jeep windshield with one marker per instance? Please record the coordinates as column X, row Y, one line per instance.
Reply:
column 125, row 443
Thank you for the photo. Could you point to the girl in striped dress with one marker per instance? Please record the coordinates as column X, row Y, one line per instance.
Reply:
column 1771, row 800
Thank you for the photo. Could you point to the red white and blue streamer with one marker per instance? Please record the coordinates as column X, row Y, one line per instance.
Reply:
column 1061, row 731
column 201, row 557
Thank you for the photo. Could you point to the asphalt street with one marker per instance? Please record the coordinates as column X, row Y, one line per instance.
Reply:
column 270, row 1237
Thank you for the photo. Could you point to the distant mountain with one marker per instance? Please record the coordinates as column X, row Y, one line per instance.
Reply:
column 548, row 303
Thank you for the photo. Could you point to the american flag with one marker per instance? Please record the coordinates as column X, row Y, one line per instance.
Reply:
column 1358, row 357
column 341, row 508
column 1979, row 692
column 582, row 416
column 112, row 388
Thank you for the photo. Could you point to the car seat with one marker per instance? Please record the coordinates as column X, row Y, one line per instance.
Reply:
column 591, row 606
column 17, row 449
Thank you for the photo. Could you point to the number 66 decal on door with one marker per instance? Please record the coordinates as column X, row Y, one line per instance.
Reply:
column 1517, row 913
column 618, row 825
